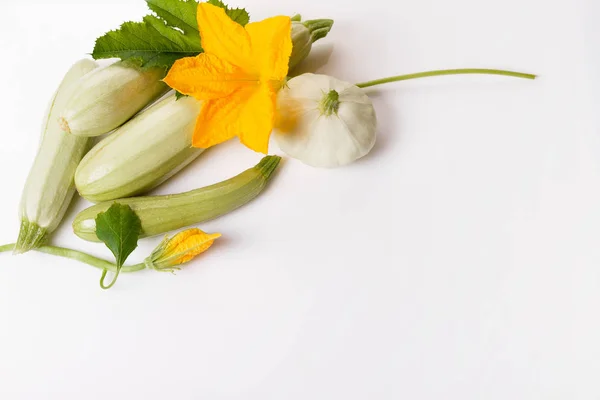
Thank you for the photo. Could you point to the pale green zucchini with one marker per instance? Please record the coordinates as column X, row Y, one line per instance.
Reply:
column 110, row 96
column 304, row 34
column 49, row 187
column 141, row 154
column 161, row 214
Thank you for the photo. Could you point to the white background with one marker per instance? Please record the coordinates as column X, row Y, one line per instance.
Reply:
column 459, row 260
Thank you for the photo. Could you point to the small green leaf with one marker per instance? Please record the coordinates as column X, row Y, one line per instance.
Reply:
column 119, row 228
column 179, row 95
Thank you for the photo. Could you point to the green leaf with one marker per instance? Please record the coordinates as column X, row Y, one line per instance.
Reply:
column 119, row 228
column 179, row 13
column 161, row 39
column 179, row 95
column 150, row 43
column 239, row 15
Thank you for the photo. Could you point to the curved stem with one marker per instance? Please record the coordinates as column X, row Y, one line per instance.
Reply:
column 466, row 71
column 112, row 283
column 80, row 256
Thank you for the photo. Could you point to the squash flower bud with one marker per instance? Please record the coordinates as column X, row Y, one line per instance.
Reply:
column 180, row 249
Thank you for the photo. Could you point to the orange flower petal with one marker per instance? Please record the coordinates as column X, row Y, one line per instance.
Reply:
column 188, row 244
column 180, row 249
column 257, row 118
column 271, row 43
column 247, row 113
column 218, row 122
column 223, row 37
column 206, row 77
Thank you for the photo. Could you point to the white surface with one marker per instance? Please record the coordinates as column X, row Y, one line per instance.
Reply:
column 459, row 260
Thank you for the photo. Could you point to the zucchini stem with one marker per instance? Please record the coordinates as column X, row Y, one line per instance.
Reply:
column 330, row 103
column 318, row 28
column 465, row 71
column 82, row 257
column 268, row 165
column 31, row 236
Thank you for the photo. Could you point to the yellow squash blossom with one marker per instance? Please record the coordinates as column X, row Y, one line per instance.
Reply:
column 180, row 249
column 237, row 77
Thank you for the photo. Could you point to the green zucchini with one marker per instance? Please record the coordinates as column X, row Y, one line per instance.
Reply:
column 110, row 96
column 49, row 187
column 141, row 154
column 304, row 34
column 161, row 214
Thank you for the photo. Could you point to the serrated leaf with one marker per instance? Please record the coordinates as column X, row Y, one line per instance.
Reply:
column 119, row 228
column 161, row 39
column 180, row 13
column 151, row 43
column 239, row 15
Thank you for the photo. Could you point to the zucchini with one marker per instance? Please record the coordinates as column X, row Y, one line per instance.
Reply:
column 141, row 154
column 49, row 187
column 304, row 34
column 160, row 214
column 110, row 96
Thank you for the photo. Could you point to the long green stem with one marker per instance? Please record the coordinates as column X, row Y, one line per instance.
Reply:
column 80, row 256
column 442, row 72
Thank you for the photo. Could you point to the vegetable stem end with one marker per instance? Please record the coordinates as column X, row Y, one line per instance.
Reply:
column 31, row 236
column 330, row 103
column 268, row 165
column 319, row 28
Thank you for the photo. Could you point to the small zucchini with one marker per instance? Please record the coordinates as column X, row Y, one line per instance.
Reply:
column 49, row 187
column 304, row 34
column 160, row 214
column 141, row 154
column 110, row 96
